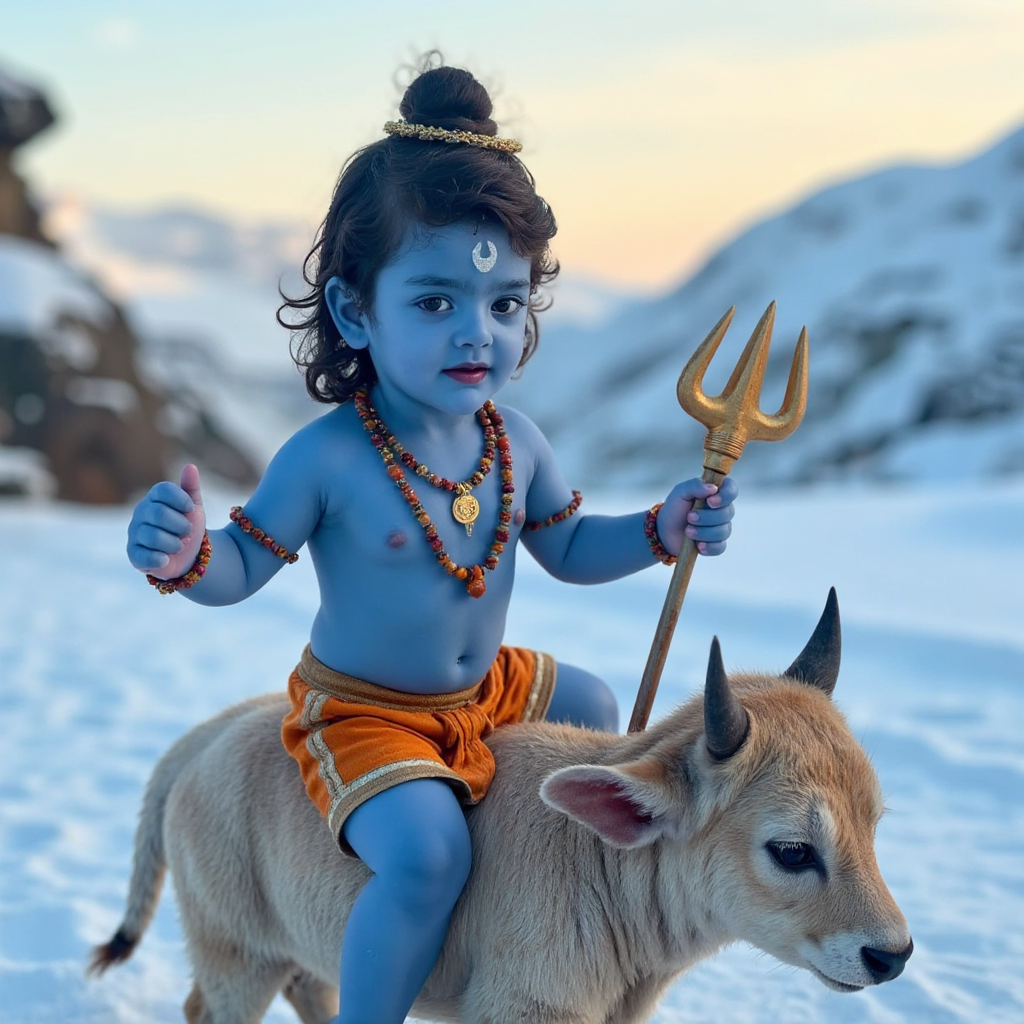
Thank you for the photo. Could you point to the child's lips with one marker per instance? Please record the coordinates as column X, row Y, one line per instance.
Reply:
column 468, row 373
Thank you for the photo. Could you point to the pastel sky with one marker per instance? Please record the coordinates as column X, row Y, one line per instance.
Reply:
column 655, row 129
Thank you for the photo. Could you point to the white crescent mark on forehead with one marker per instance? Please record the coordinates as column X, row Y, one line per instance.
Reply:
column 485, row 264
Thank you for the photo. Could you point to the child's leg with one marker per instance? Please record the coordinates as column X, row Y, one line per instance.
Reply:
column 414, row 839
column 581, row 698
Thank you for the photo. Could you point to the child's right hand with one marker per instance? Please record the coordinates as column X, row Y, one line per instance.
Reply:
column 167, row 527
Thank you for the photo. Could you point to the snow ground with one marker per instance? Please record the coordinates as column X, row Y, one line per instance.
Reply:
column 98, row 675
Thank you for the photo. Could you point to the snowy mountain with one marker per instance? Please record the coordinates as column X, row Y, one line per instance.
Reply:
column 86, row 412
column 186, row 274
column 184, row 271
column 910, row 281
column 202, row 292
column 911, row 284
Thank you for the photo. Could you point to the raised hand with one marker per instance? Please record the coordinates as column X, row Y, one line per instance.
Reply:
column 709, row 526
column 167, row 527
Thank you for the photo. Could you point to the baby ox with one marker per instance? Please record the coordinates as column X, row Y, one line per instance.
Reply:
column 604, row 866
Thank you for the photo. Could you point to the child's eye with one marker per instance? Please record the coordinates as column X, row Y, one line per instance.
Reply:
column 507, row 306
column 435, row 304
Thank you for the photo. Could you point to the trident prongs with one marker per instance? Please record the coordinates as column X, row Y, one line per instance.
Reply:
column 734, row 417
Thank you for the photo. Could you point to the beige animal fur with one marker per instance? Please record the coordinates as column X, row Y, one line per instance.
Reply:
column 604, row 866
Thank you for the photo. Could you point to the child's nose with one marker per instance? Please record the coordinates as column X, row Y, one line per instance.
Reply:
column 474, row 331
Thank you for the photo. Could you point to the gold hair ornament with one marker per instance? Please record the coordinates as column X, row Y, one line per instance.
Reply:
column 431, row 134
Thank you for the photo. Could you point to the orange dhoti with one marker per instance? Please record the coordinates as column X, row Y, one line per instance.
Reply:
column 353, row 739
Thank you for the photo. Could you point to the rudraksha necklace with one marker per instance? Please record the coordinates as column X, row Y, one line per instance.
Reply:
column 489, row 417
column 465, row 508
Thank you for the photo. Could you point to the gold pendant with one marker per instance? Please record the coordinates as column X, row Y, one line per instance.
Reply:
column 465, row 509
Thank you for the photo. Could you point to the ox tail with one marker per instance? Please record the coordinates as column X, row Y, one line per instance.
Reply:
column 149, row 864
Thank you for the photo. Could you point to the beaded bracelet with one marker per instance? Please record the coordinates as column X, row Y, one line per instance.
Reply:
column 653, row 541
column 245, row 524
column 193, row 576
column 569, row 509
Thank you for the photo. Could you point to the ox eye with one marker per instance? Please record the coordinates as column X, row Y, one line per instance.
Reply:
column 793, row 856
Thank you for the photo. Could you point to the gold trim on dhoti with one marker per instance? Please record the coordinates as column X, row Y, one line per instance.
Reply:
column 545, row 675
column 315, row 673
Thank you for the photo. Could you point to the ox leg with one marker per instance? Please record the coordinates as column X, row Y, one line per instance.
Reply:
column 234, row 995
column 489, row 1010
column 497, row 993
column 195, row 1006
column 639, row 1003
column 315, row 1002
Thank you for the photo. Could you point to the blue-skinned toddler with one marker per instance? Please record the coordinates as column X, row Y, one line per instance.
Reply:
column 411, row 495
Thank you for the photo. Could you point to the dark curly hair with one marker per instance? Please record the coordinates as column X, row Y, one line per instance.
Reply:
column 388, row 185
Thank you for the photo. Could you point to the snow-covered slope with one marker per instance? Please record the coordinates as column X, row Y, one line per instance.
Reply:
column 93, row 691
column 911, row 283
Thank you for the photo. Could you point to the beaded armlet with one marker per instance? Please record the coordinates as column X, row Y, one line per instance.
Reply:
column 245, row 524
column 653, row 541
column 193, row 576
column 569, row 509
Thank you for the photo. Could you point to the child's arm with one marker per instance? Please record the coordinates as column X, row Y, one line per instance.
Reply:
column 167, row 528
column 595, row 549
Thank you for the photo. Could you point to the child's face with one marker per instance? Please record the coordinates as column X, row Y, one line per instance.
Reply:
column 449, row 317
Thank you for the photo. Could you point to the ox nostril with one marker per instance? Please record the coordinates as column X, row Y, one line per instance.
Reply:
column 883, row 964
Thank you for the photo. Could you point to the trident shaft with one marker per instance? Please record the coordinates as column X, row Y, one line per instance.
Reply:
column 732, row 418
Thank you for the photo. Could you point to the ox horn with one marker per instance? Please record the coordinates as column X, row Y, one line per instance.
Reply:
column 725, row 719
column 818, row 663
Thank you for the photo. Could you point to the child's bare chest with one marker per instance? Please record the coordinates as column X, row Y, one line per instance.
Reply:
column 392, row 609
column 422, row 507
column 388, row 528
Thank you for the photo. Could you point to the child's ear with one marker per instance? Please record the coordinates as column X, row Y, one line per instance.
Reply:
column 345, row 313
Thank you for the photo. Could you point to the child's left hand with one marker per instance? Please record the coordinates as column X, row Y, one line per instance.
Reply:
column 709, row 526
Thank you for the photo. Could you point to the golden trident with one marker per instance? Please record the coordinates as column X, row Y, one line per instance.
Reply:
column 733, row 418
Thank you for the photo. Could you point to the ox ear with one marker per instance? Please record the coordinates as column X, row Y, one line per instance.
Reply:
column 625, row 806
column 818, row 663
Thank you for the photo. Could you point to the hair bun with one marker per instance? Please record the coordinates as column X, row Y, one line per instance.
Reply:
column 449, row 98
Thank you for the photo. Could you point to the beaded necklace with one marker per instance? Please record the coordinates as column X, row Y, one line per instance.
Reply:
column 473, row 575
column 465, row 508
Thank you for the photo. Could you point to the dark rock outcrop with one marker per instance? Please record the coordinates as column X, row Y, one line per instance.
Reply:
column 24, row 113
column 70, row 385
